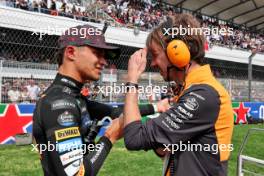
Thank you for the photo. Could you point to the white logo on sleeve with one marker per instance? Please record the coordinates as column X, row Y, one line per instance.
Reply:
column 191, row 103
column 99, row 151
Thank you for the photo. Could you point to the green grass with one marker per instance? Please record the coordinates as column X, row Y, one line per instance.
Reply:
column 21, row 161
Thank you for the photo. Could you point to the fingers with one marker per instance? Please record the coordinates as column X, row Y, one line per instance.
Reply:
column 137, row 64
column 144, row 52
column 136, row 56
column 141, row 53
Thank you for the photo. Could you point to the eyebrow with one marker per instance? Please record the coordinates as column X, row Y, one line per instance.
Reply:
column 97, row 50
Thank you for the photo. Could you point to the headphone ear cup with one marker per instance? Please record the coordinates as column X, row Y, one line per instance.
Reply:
column 178, row 53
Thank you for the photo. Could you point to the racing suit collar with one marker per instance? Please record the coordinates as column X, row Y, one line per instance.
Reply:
column 68, row 81
column 198, row 75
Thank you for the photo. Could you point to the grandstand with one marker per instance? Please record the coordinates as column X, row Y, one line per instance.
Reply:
column 28, row 42
column 29, row 30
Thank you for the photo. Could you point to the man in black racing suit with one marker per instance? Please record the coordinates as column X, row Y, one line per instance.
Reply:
column 62, row 121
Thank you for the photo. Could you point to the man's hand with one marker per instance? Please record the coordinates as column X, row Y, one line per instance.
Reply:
column 163, row 105
column 136, row 65
column 161, row 152
column 115, row 131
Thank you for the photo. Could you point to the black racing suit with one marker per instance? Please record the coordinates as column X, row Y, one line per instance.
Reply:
column 61, row 120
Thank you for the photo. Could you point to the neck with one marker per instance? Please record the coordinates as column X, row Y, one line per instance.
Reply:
column 193, row 66
column 180, row 78
column 70, row 73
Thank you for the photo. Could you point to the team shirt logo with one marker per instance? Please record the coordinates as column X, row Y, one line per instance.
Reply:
column 66, row 119
column 67, row 133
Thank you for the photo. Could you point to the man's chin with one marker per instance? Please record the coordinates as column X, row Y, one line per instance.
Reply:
column 163, row 76
column 94, row 78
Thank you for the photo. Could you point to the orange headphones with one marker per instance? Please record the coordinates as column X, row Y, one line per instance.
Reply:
column 177, row 50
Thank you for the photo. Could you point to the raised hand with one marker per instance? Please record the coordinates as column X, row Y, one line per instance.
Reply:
column 136, row 65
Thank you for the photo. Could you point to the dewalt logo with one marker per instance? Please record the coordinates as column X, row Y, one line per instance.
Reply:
column 67, row 133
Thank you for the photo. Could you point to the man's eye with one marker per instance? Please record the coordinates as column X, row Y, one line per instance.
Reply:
column 99, row 54
column 155, row 54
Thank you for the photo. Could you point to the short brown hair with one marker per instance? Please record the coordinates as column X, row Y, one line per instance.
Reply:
column 195, row 42
column 59, row 56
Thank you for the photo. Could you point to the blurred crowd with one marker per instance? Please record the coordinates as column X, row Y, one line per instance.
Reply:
column 21, row 90
column 144, row 14
column 241, row 94
column 26, row 57
column 240, row 39
column 58, row 8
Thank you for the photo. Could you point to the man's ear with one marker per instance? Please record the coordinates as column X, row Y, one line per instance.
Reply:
column 70, row 52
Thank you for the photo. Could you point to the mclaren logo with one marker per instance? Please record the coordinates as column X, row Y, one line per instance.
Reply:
column 191, row 104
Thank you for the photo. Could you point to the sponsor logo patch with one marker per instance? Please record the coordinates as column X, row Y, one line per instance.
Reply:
column 69, row 145
column 86, row 121
column 172, row 123
column 197, row 95
column 176, row 118
column 66, row 119
column 67, row 133
column 71, row 156
column 62, row 104
column 191, row 103
column 73, row 168
column 185, row 112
